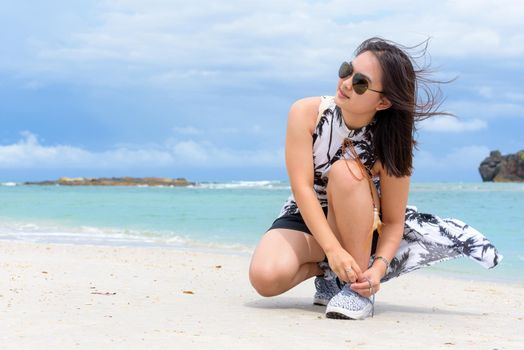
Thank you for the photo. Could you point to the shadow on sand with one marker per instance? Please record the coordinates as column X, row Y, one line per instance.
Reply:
column 302, row 304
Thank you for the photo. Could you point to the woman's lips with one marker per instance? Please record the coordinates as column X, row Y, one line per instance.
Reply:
column 341, row 94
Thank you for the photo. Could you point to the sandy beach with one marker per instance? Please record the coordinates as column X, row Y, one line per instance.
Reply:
column 97, row 297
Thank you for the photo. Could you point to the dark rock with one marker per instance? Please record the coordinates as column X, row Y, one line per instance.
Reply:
column 499, row 168
column 116, row 181
column 41, row 183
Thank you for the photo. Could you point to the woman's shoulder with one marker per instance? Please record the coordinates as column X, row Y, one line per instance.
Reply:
column 306, row 110
column 314, row 103
column 307, row 104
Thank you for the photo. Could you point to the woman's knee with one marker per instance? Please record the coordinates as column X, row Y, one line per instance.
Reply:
column 272, row 265
column 267, row 277
column 278, row 258
column 345, row 175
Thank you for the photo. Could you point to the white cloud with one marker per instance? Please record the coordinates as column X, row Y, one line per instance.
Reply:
column 486, row 91
column 177, row 42
column 514, row 96
column 499, row 92
column 463, row 158
column 29, row 153
column 246, row 48
column 186, row 130
column 486, row 109
column 451, row 124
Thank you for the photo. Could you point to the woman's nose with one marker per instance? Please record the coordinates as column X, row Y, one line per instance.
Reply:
column 346, row 84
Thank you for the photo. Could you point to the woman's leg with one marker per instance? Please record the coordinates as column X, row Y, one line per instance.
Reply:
column 283, row 259
column 350, row 212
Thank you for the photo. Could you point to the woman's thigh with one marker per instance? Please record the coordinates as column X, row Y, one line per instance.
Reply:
column 286, row 246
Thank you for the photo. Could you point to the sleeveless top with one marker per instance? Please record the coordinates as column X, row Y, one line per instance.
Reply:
column 328, row 137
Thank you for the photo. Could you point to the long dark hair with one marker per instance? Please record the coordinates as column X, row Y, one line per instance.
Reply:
column 413, row 96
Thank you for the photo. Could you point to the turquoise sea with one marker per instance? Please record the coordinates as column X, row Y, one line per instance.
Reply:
column 232, row 216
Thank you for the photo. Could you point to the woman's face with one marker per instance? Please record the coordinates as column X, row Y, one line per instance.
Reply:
column 369, row 102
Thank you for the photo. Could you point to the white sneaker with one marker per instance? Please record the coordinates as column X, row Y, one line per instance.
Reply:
column 327, row 286
column 348, row 304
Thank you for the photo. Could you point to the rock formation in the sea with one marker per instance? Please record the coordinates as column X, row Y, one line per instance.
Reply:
column 115, row 181
column 499, row 168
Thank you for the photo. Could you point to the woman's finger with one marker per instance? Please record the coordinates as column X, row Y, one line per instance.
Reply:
column 360, row 285
column 365, row 290
column 357, row 271
column 350, row 274
column 342, row 275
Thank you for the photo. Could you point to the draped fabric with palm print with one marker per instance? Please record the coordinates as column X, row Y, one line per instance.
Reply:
column 427, row 238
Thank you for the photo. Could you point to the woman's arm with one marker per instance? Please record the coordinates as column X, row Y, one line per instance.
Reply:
column 394, row 198
column 299, row 163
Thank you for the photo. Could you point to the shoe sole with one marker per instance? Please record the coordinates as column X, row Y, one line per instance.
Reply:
column 344, row 314
column 320, row 302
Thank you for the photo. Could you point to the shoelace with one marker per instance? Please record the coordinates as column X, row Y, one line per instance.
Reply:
column 341, row 284
column 373, row 306
column 372, row 298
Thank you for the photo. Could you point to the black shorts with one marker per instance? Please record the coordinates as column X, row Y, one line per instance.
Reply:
column 296, row 222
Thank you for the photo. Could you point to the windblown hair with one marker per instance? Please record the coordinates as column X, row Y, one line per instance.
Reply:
column 413, row 96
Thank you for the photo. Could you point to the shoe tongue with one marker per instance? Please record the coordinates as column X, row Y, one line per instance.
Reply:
column 341, row 284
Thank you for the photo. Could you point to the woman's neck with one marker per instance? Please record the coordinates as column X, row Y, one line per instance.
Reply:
column 357, row 121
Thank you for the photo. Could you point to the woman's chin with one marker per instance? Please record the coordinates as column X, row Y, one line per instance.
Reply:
column 340, row 100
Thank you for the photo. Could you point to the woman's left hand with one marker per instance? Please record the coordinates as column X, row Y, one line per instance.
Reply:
column 362, row 286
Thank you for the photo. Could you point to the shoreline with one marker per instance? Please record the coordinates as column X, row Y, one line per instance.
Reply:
column 439, row 270
column 116, row 241
column 84, row 296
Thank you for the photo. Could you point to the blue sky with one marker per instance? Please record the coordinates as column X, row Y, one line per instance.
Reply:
column 201, row 89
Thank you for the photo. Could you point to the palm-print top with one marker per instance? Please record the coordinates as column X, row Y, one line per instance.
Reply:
column 328, row 137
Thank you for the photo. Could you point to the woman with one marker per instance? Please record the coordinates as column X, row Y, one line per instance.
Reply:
column 349, row 157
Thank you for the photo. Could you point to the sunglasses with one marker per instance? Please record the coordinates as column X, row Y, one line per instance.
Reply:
column 360, row 82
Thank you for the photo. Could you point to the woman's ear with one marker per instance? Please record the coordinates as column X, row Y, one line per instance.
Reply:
column 383, row 104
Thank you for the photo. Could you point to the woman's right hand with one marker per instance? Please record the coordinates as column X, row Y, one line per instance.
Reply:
column 343, row 264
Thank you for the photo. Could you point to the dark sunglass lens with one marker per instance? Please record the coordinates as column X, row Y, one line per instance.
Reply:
column 360, row 84
column 345, row 70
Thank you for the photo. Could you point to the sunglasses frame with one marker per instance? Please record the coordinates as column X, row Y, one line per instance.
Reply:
column 346, row 70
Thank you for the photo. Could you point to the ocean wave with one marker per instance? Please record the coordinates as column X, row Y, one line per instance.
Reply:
column 199, row 245
column 265, row 184
column 90, row 235
column 467, row 187
column 8, row 184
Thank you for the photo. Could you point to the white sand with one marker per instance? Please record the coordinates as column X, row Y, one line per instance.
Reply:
column 47, row 301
